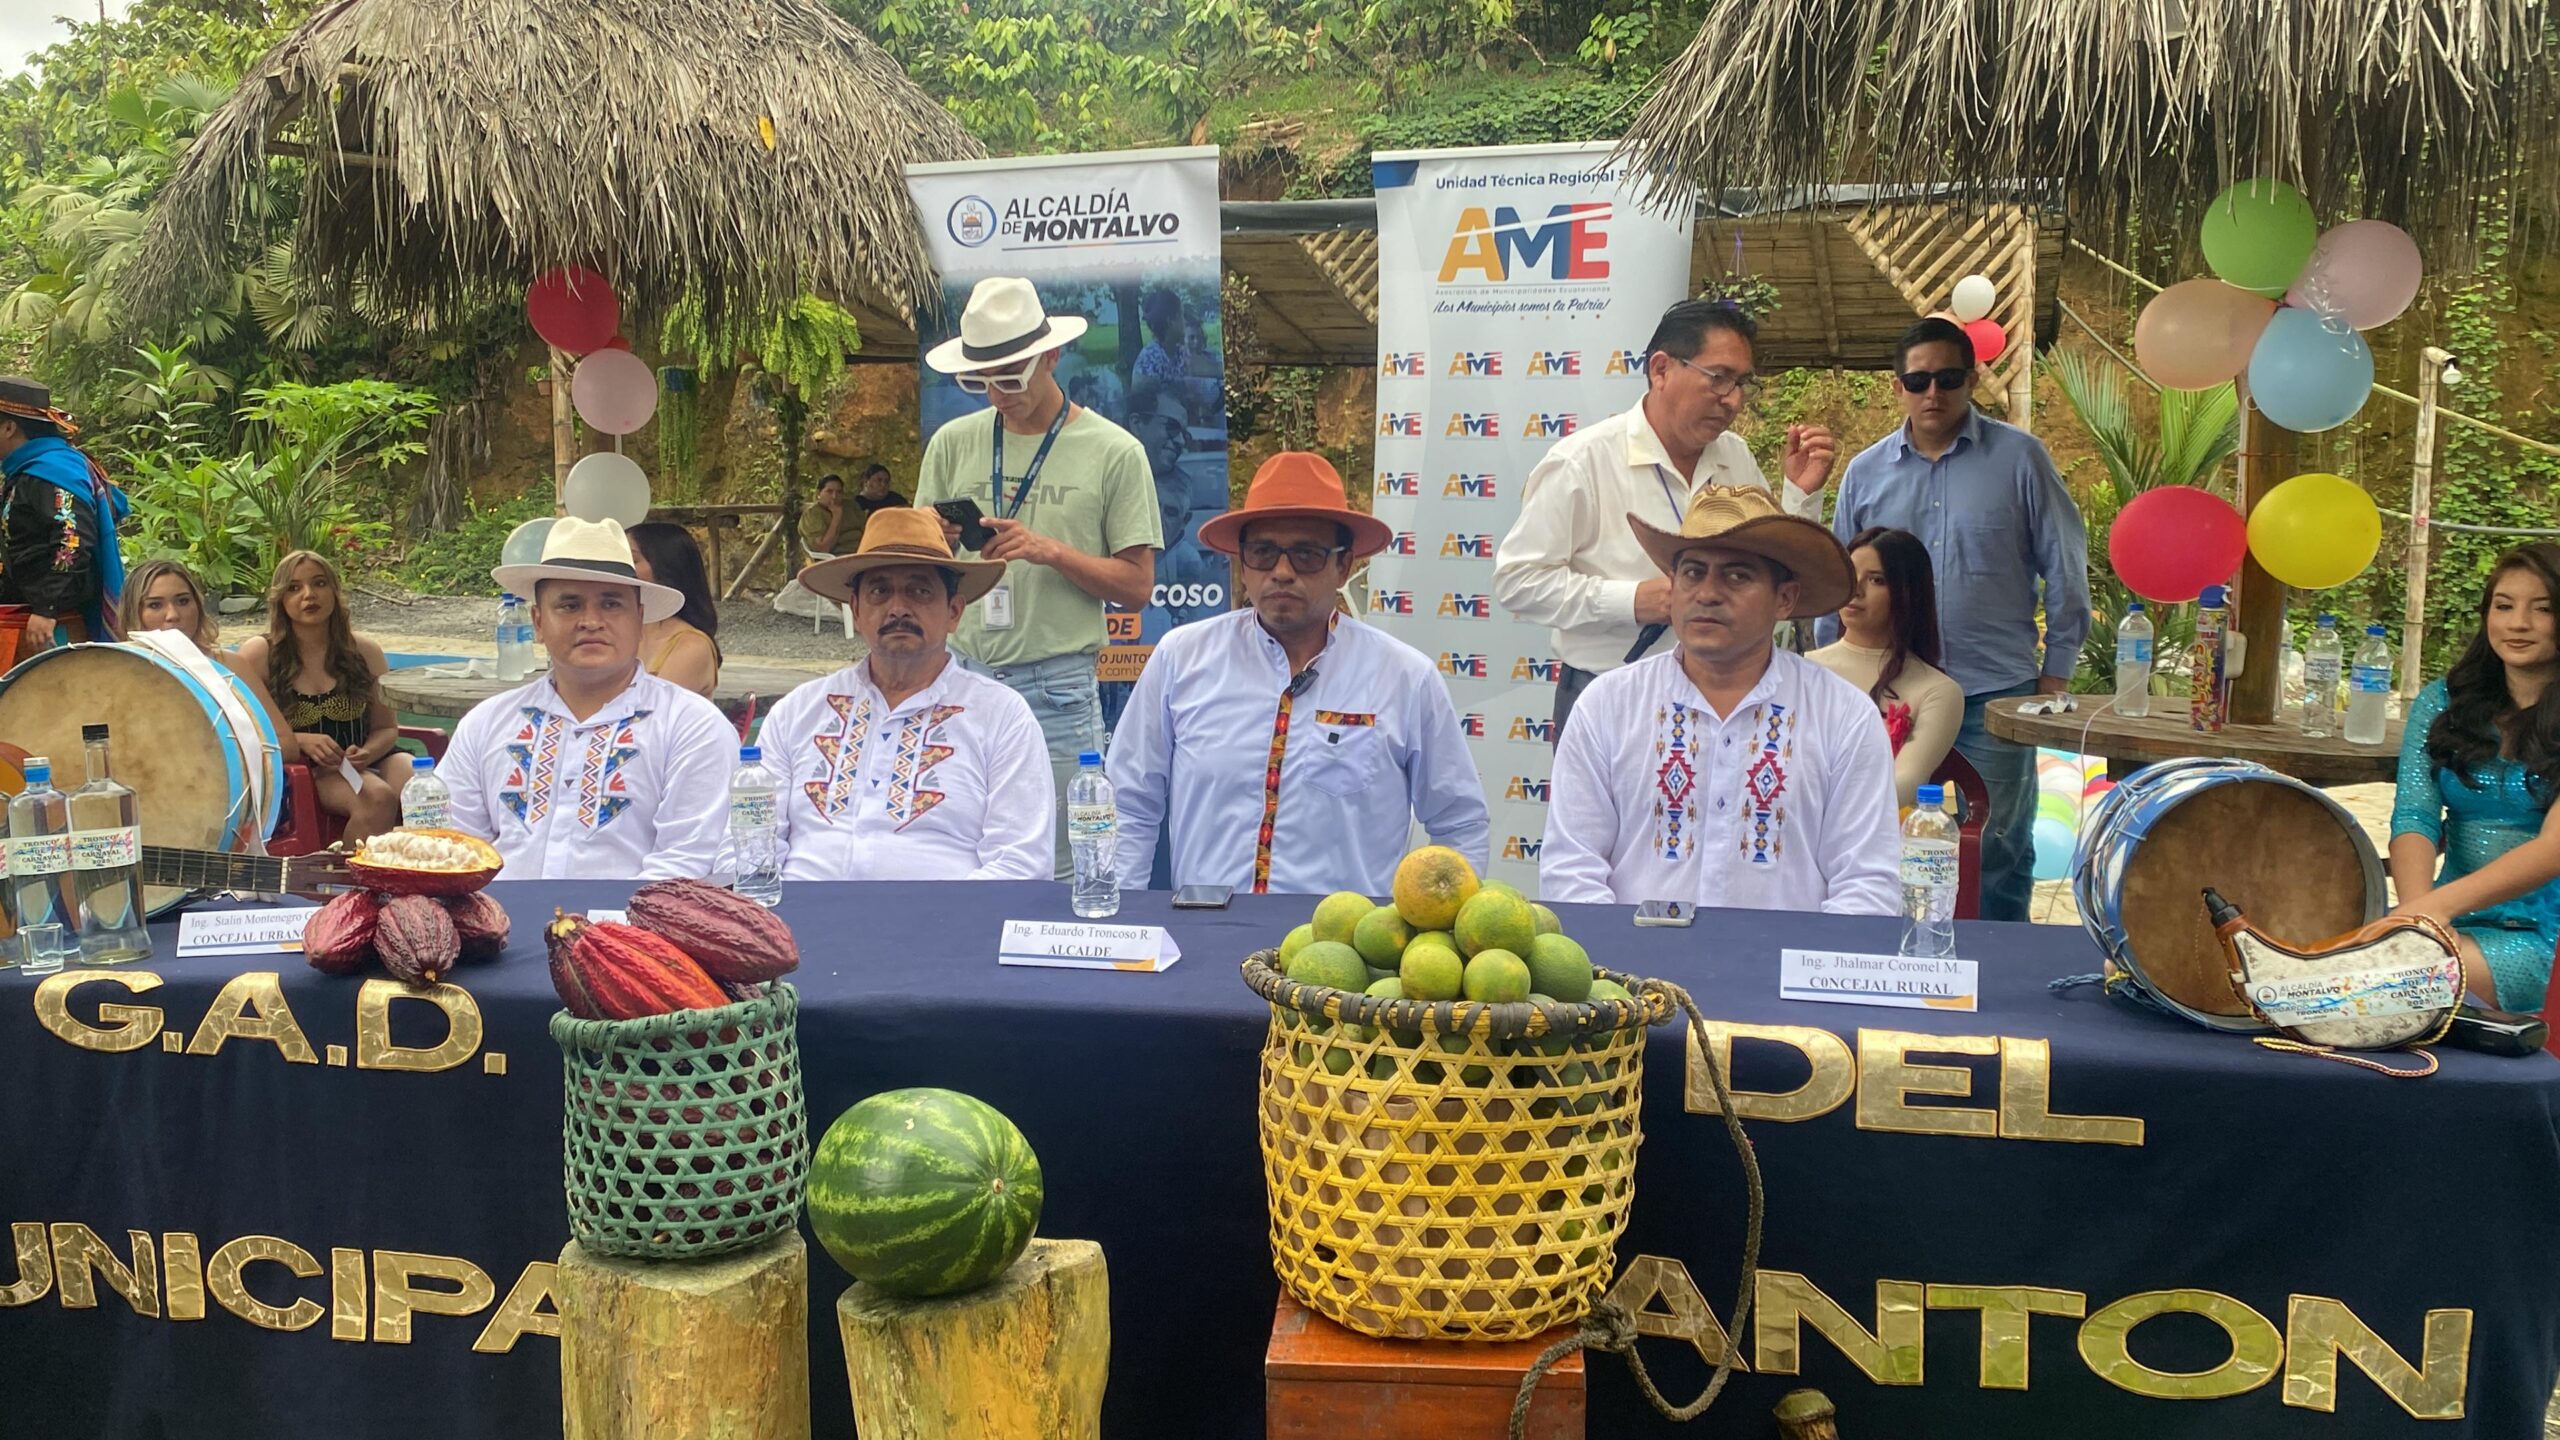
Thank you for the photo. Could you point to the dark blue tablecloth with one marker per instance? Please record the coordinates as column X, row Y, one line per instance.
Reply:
column 2260, row 1177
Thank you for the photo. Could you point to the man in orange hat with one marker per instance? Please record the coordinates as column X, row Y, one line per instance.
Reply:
column 1289, row 747
column 58, row 513
column 1726, row 771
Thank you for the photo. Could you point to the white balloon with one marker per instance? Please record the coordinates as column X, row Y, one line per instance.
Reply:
column 524, row 543
column 606, row 486
column 1974, row 297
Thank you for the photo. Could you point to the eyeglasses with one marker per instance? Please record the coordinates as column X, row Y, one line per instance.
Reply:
column 1009, row 382
column 1724, row 383
column 1303, row 559
column 1950, row 379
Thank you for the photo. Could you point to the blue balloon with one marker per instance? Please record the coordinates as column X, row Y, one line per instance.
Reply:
column 2053, row 848
column 2307, row 377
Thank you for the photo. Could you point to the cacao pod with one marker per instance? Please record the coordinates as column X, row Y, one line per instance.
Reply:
column 416, row 940
column 730, row 936
column 425, row 862
column 482, row 924
column 338, row 938
column 608, row 971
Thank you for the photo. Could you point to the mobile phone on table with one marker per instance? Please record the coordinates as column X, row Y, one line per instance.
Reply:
column 2495, row 1032
column 1665, row 912
column 964, row 512
column 1202, row 897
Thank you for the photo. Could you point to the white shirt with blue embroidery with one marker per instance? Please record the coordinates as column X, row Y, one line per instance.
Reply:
column 951, row 783
column 1787, row 804
column 637, row 790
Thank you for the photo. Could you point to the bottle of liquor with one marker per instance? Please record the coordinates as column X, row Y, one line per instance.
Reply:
column 106, row 852
column 8, row 899
column 40, row 872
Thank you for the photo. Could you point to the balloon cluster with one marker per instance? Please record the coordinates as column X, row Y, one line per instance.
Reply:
column 1970, row 308
column 615, row 392
column 2067, row 787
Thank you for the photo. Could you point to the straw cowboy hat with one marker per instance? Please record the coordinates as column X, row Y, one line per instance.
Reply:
column 900, row 536
column 28, row 400
column 1296, row 485
column 1003, row 326
column 589, row 550
column 1747, row 518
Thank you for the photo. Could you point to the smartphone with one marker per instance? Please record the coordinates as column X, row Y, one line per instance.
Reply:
column 964, row 513
column 1665, row 912
column 2495, row 1032
column 1202, row 897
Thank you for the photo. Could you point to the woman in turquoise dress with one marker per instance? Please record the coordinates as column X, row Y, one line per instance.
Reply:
column 2479, row 766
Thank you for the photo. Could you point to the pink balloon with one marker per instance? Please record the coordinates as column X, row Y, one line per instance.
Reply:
column 2199, row 333
column 615, row 391
column 2172, row 542
column 2365, row 272
column 1990, row 342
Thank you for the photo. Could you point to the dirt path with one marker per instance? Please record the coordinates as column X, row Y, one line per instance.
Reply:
column 751, row 632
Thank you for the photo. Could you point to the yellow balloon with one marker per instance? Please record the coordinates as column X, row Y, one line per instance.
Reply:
column 2315, row 531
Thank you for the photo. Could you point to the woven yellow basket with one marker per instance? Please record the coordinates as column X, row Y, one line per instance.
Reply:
column 1451, row 1170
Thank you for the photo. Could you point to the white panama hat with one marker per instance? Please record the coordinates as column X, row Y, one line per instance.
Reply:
column 589, row 550
column 1004, row 325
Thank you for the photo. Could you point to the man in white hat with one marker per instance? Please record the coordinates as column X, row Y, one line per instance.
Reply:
column 905, row 766
column 1072, row 504
column 1728, row 772
column 597, row 770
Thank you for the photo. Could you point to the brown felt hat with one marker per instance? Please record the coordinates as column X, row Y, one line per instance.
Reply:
column 900, row 536
column 1747, row 518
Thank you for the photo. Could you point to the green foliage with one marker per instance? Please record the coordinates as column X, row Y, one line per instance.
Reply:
column 458, row 561
column 1023, row 75
column 1513, row 110
column 803, row 346
column 680, row 427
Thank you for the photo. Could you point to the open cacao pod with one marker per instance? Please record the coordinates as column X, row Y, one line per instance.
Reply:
column 425, row 862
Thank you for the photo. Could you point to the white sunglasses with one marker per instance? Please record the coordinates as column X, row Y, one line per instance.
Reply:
column 1010, row 382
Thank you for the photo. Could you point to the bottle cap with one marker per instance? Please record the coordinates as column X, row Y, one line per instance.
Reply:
column 37, row 768
column 2134, row 609
column 2212, row 597
column 92, row 734
column 2373, row 629
column 506, row 596
column 420, row 765
column 1933, row 796
column 749, row 754
column 1090, row 757
column 2328, row 622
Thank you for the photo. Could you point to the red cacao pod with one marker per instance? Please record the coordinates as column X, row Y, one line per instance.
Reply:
column 608, row 971
column 338, row 938
column 482, row 924
column 416, row 939
column 730, row 936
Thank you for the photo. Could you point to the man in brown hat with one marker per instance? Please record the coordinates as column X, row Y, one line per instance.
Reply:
column 905, row 765
column 58, row 515
column 1728, row 772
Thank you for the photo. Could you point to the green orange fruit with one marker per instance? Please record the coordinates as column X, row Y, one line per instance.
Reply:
column 1339, row 913
column 1431, row 884
column 1381, row 936
column 1496, row 977
column 1495, row 921
column 1431, row 972
column 1299, row 939
column 1560, row 967
column 1330, row 963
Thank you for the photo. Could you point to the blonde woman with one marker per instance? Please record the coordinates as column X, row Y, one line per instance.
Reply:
column 328, row 681
column 166, row 595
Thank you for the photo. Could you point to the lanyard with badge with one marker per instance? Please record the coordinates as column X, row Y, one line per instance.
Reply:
column 995, row 611
column 1650, row 633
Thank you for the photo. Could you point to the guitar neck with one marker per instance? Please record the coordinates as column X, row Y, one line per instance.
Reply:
column 212, row 870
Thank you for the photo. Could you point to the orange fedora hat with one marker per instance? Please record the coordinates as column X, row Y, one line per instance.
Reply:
column 1294, row 485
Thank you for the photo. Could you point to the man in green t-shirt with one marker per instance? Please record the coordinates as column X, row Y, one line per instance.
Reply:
column 1072, row 505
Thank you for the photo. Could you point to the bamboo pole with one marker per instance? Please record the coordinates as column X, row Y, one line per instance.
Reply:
column 2022, row 373
column 2422, row 488
column 564, row 431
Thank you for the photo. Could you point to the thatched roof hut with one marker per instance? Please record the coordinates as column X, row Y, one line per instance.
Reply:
column 2406, row 110
column 746, row 151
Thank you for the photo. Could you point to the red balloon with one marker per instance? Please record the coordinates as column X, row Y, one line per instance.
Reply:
column 2172, row 542
column 1990, row 342
column 573, row 308
column 618, row 342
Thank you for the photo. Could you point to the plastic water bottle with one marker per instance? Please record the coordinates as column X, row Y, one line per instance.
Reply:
column 515, row 640
column 2321, row 664
column 1929, row 877
column 2133, row 663
column 40, row 872
column 1093, row 832
column 752, row 792
column 425, row 803
column 2369, row 689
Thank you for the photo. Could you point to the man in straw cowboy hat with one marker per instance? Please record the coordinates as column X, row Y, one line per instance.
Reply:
column 58, row 514
column 598, row 769
column 1290, row 747
column 1726, row 771
column 903, row 765
column 1068, row 496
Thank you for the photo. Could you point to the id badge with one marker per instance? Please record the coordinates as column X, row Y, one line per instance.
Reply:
column 995, row 610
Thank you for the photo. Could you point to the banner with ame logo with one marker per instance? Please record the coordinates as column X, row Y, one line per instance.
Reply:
column 1515, row 288
column 1129, row 241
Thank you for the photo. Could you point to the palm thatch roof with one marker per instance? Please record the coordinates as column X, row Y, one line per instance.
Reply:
column 2412, row 111
column 741, row 151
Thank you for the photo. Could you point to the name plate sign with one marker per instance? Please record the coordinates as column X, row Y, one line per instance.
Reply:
column 264, row 930
column 1901, row 982
column 1087, row 945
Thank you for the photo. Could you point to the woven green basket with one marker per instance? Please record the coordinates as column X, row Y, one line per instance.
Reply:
column 684, row 1135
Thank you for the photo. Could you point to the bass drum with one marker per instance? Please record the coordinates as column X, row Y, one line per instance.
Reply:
column 206, row 767
column 2286, row 853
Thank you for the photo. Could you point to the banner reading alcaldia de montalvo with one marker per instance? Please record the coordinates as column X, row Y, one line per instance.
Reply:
column 1516, row 287
column 1129, row 241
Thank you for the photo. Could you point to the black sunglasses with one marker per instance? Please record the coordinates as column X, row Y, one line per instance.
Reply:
column 1917, row 381
column 1303, row 559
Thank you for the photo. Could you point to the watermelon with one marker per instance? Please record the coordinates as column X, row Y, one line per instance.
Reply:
column 924, row 1192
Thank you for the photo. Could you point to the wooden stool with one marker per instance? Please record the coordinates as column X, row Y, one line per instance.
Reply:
column 1024, row 1358
column 1323, row 1382
column 682, row 1349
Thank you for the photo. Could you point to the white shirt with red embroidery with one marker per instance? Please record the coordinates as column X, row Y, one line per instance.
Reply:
column 1787, row 804
column 951, row 783
column 637, row 790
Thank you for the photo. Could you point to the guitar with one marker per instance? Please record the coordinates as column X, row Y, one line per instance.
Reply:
column 200, row 870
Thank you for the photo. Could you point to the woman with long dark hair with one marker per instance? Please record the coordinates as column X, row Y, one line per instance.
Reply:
column 685, row 648
column 2479, row 765
column 327, row 680
column 1888, row 647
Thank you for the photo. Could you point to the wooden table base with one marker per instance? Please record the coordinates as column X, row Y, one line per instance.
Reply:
column 1323, row 1382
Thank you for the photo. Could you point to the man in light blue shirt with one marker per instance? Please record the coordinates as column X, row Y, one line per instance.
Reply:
column 1986, row 500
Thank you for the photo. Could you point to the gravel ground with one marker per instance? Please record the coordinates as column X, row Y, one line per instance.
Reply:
column 751, row 631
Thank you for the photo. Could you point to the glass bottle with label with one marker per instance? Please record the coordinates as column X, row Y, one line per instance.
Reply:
column 8, row 899
column 106, row 853
column 40, row 871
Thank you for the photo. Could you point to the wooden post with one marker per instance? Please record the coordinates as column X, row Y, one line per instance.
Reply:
column 682, row 1349
column 2422, row 494
column 754, row 560
column 2022, row 375
column 2267, row 459
column 1022, row 1359
column 564, row 431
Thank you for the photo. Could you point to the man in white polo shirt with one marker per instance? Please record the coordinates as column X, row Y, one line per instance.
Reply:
column 1290, row 748
column 597, row 770
column 907, row 765
column 1568, row 561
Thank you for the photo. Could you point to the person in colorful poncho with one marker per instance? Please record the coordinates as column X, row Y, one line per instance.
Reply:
column 58, row 518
